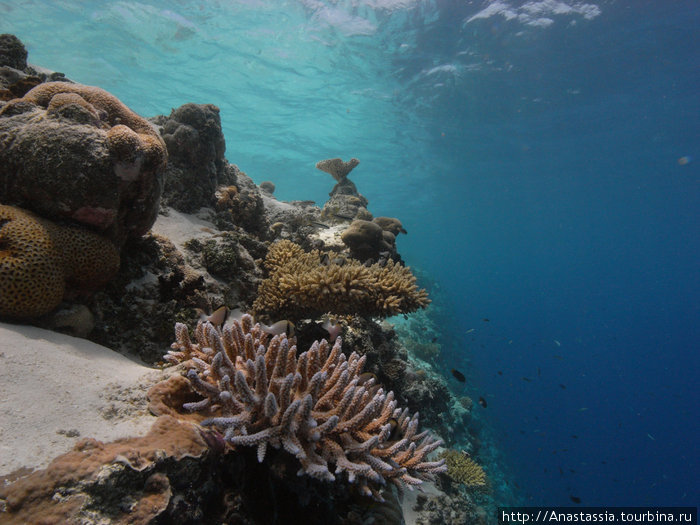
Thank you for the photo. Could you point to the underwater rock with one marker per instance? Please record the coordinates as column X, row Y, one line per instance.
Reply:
column 12, row 52
column 196, row 149
column 58, row 130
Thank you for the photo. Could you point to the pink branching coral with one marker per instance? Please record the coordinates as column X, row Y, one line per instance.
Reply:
column 317, row 406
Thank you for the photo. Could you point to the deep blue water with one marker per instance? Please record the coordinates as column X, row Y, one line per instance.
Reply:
column 532, row 151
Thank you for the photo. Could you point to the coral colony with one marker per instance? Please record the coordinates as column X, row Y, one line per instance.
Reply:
column 318, row 406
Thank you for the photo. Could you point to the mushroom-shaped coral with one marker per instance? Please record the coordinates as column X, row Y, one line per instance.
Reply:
column 310, row 284
column 317, row 406
column 39, row 259
column 337, row 168
column 60, row 129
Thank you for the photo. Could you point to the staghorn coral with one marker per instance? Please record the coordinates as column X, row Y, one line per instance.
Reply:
column 309, row 284
column 463, row 469
column 316, row 406
column 38, row 259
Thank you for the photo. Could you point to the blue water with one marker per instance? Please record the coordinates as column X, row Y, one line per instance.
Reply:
column 532, row 151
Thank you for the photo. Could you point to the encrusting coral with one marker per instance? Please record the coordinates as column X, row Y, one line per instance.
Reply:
column 38, row 259
column 309, row 284
column 317, row 406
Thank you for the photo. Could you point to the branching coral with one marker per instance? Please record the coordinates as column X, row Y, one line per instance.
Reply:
column 463, row 469
column 317, row 406
column 310, row 284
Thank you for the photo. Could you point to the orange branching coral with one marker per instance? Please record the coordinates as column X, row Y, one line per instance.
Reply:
column 39, row 258
column 317, row 406
column 309, row 284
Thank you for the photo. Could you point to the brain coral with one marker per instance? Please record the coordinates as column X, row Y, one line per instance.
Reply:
column 38, row 259
column 304, row 284
column 58, row 130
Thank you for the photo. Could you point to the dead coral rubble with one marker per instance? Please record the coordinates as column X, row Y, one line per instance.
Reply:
column 317, row 406
column 309, row 284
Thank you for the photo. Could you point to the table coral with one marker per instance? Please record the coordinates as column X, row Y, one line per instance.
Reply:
column 39, row 259
column 317, row 406
column 304, row 284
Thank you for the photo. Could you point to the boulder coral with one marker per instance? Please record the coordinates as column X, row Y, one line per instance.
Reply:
column 58, row 130
column 302, row 284
column 39, row 260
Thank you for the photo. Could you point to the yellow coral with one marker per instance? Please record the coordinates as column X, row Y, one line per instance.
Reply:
column 301, row 285
column 463, row 469
column 39, row 258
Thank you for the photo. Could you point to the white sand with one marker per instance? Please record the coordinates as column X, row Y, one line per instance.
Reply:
column 181, row 227
column 56, row 389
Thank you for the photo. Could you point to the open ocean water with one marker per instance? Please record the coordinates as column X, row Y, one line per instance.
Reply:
column 544, row 157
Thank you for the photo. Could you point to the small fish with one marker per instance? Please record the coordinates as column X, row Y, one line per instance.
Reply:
column 333, row 328
column 433, row 339
column 346, row 217
column 470, row 331
column 319, row 224
column 486, row 320
column 325, row 260
column 563, row 387
column 558, row 356
column 651, row 437
column 539, row 372
column 500, row 373
column 482, row 402
column 557, row 342
column 280, row 327
column 685, row 160
column 583, row 409
column 575, row 499
column 574, row 436
column 217, row 318
column 394, row 433
column 527, row 379
column 459, row 376
column 364, row 377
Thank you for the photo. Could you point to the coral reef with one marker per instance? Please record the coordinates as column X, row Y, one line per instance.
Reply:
column 309, row 284
column 59, row 129
column 337, row 168
column 317, row 406
column 390, row 224
column 367, row 240
column 345, row 203
column 463, row 469
column 40, row 259
column 126, row 481
column 196, row 163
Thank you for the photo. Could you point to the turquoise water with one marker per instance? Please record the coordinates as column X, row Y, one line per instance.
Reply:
column 531, row 150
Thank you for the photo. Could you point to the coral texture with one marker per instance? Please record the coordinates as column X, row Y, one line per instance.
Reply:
column 38, row 259
column 317, row 406
column 125, row 481
column 368, row 240
column 58, row 130
column 337, row 168
column 309, row 284
column 463, row 469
